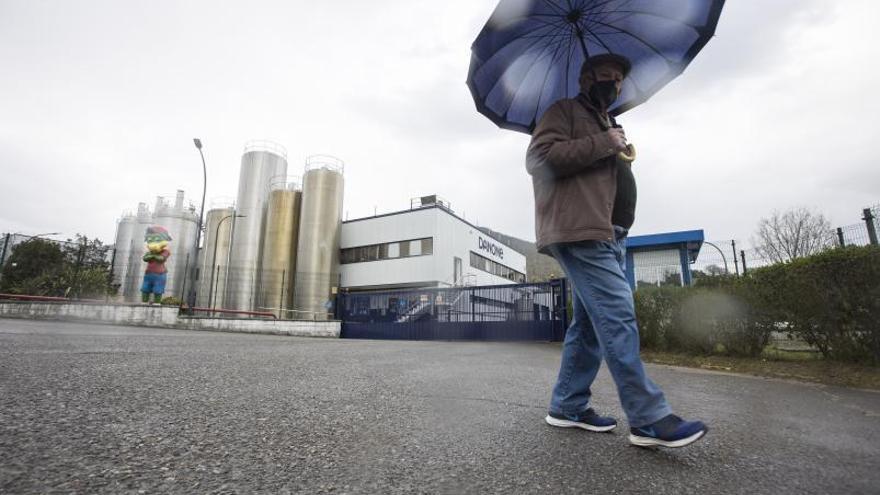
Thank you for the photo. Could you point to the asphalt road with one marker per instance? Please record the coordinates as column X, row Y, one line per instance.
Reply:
column 97, row 409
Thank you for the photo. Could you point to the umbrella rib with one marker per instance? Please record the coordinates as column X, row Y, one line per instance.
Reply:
column 594, row 9
column 637, row 38
column 540, row 55
column 553, row 4
column 558, row 26
column 553, row 59
column 571, row 52
column 499, row 80
column 652, row 14
column 514, row 20
column 597, row 39
column 517, row 38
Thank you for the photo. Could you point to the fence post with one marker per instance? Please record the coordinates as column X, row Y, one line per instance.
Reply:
column 79, row 262
column 735, row 262
column 743, row 255
column 869, row 223
column 110, row 276
column 840, row 237
column 473, row 317
column 5, row 245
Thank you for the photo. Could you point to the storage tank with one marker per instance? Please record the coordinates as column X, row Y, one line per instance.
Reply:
column 125, row 232
column 278, row 257
column 212, row 278
column 181, row 221
column 134, row 275
column 261, row 161
column 317, row 259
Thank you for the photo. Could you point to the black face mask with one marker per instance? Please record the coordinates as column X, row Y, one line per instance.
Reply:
column 603, row 93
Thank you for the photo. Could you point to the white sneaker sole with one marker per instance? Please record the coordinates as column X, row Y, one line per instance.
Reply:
column 656, row 442
column 564, row 423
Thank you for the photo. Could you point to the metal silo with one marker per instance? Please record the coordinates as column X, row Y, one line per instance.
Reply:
column 278, row 258
column 261, row 161
column 125, row 232
column 134, row 276
column 317, row 259
column 181, row 221
column 215, row 257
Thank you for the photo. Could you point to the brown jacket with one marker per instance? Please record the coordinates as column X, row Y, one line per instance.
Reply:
column 572, row 164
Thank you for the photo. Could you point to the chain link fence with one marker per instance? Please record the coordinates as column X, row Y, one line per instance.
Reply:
column 729, row 257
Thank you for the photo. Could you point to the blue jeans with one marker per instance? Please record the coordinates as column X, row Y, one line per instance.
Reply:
column 603, row 325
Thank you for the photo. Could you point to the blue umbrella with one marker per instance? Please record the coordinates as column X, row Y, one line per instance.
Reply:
column 530, row 52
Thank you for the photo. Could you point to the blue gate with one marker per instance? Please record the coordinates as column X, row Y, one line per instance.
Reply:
column 536, row 311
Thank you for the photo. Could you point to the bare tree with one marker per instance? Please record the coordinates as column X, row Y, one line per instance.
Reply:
column 792, row 234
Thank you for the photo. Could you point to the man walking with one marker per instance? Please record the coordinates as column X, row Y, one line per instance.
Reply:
column 584, row 205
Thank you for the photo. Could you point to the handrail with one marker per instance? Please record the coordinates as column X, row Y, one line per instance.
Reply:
column 265, row 145
column 27, row 297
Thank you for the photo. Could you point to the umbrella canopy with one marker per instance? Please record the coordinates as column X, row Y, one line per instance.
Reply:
column 530, row 52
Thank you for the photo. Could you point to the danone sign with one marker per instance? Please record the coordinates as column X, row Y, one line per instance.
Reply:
column 490, row 247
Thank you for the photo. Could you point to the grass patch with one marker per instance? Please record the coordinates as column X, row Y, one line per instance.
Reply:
column 796, row 365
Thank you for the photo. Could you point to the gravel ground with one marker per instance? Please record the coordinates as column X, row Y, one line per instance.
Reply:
column 99, row 409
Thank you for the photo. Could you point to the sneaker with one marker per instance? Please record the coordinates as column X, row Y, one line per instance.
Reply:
column 671, row 431
column 587, row 420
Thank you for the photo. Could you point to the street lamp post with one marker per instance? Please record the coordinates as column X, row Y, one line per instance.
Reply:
column 214, row 257
column 192, row 291
column 723, row 258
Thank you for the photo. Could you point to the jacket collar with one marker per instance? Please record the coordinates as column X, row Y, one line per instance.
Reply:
column 605, row 120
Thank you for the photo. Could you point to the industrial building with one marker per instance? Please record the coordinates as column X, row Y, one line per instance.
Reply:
column 282, row 247
column 424, row 246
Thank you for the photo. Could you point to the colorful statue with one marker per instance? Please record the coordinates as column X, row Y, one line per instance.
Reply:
column 157, row 239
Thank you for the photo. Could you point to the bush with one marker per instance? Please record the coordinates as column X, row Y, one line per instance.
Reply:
column 831, row 300
column 171, row 301
column 700, row 321
column 656, row 312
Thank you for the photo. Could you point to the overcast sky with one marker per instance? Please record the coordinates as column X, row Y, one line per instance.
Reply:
column 100, row 100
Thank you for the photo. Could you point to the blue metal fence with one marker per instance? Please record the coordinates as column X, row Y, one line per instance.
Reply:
column 536, row 311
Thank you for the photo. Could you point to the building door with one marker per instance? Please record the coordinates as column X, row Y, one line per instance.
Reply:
column 456, row 271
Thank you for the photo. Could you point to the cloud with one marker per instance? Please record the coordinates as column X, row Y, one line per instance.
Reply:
column 106, row 96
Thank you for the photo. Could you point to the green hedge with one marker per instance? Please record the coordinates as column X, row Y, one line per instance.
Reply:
column 830, row 300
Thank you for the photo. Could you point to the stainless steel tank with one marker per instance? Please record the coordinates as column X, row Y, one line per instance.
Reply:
column 125, row 232
column 317, row 259
column 134, row 275
column 278, row 258
column 181, row 221
column 215, row 257
column 261, row 161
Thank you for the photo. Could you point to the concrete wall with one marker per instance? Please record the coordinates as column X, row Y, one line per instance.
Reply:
column 161, row 317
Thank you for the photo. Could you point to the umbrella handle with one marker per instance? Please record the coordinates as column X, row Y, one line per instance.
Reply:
column 629, row 155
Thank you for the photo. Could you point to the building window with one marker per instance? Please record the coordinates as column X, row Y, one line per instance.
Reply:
column 387, row 251
column 492, row 267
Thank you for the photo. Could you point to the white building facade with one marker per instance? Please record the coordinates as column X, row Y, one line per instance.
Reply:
column 427, row 246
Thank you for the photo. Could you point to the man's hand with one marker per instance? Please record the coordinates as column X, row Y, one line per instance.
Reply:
column 618, row 138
